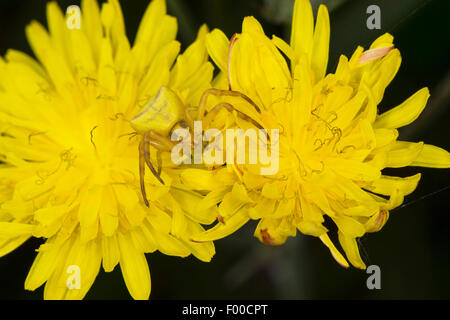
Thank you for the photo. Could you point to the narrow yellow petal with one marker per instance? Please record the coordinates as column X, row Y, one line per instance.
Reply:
column 405, row 113
column 377, row 221
column 311, row 228
column 354, row 170
column 302, row 29
column 334, row 252
column 134, row 268
column 109, row 213
column 88, row 212
column 14, row 229
column 385, row 136
column 403, row 154
column 386, row 185
column 57, row 26
column 285, row 48
column 302, row 94
column 310, row 212
column 110, row 253
column 43, row 266
column 149, row 23
column 385, row 40
column 203, row 251
column 217, row 44
column 432, row 157
column 321, row 43
column 274, row 232
column 351, row 250
column 167, row 243
column 251, row 25
column 197, row 207
column 92, row 25
column 223, row 229
column 10, row 244
column 86, row 257
column 349, row 226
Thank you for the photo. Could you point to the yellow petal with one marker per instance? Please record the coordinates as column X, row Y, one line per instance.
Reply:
column 386, row 185
column 311, row 228
column 110, row 253
column 310, row 212
column 203, row 251
column 403, row 154
column 196, row 207
column 321, row 43
column 334, row 252
column 168, row 244
column 92, row 25
column 106, row 75
column 223, row 229
column 134, row 268
column 351, row 250
column 385, row 40
column 85, row 256
column 385, row 136
column 349, row 110
column 109, row 213
column 302, row 94
column 217, row 44
column 432, row 157
column 88, row 212
column 274, row 232
column 57, row 26
column 43, row 266
column 14, row 229
column 251, row 25
column 349, row 226
column 285, row 48
column 405, row 113
column 302, row 28
column 354, row 170
column 10, row 244
column 377, row 221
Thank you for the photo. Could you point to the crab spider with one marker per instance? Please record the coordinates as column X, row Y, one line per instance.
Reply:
column 162, row 114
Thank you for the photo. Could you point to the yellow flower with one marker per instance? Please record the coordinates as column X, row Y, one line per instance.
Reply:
column 68, row 163
column 333, row 145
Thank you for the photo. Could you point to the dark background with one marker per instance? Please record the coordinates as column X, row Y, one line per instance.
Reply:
column 413, row 248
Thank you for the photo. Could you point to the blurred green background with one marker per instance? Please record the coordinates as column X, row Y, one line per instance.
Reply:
column 413, row 248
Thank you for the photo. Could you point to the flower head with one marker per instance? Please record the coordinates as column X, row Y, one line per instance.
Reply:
column 69, row 156
column 333, row 144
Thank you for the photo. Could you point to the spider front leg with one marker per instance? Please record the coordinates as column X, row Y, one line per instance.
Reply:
column 147, row 142
column 142, row 171
column 214, row 111
column 144, row 159
column 218, row 92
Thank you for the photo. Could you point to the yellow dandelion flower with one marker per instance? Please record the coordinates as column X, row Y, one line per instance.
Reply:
column 69, row 159
column 333, row 145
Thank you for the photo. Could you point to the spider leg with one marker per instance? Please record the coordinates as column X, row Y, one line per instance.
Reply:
column 142, row 171
column 159, row 160
column 218, row 92
column 214, row 111
column 147, row 158
column 189, row 119
column 158, row 141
